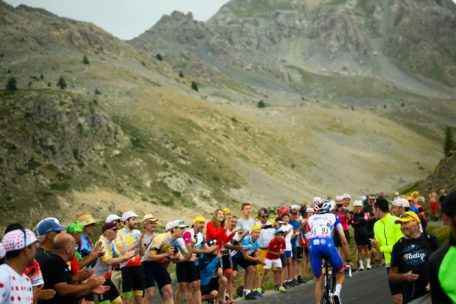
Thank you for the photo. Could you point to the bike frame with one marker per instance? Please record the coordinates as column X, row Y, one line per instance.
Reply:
column 329, row 284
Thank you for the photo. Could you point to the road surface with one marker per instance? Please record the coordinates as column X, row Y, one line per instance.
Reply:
column 364, row 287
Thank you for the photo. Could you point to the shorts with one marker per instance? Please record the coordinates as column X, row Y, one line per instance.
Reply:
column 277, row 263
column 207, row 289
column 338, row 241
column 288, row 253
column 187, row 272
column 243, row 263
column 112, row 295
column 132, row 280
column 156, row 273
column 318, row 252
column 434, row 206
column 361, row 237
column 298, row 253
column 395, row 288
column 227, row 263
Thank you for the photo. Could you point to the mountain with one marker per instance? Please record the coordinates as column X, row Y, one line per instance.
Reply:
column 443, row 174
column 398, row 42
column 129, row 132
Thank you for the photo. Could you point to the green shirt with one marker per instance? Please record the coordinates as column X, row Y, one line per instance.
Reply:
column 387, row 233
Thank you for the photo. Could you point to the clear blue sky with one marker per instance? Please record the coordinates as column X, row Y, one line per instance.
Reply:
column 125, row 19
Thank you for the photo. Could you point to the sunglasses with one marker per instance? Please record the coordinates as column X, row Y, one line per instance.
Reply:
column 264, row 216
column 406, row 216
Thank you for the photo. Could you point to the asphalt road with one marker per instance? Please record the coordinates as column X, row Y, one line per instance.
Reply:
column 363, row 287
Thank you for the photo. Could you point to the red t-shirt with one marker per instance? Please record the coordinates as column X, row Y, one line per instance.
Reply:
column 276, row 246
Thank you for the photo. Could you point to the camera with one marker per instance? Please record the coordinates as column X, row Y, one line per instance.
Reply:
column 212, row 242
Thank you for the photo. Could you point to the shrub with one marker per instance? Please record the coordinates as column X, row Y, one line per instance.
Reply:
column 195, row 86
column 97, row 92
column 85, row 60
column 159, row 57
column 449, row 141
column 11, row 84
column 181, row 74
column 261, row 104
column 61, row 83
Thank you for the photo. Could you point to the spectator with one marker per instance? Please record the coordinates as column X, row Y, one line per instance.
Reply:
column 297, row 252
column 409, row 258
column 248, row 259
column 57, row 275
column 443, row 262
column 275, row 249
column 433, row 205
column 2, row 254
column 46, row 229
column 387, row 233
column 287, row 274
column 112, row 256
column 129, row 238
column 149, row 224
column 245, row 222
column 266, row 235
column 215, row 229
column 359, row 224
column 442, row 194
column 20, row 251
column 368, row 209
column 85, row 245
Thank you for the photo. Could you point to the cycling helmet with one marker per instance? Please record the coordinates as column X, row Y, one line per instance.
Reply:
column 323, row 206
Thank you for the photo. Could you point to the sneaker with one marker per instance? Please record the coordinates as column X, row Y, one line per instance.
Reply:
column 260, row 290
column 295, row 282
column 256, row 293
column 286, row 285
column 348, row 271
column 368, row 267
column 360, row 268
column 250, row 296
column 282, row 289
column 336, row 299
column 276, row 287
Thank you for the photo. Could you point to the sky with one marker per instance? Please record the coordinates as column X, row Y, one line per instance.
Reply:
column 124, row 19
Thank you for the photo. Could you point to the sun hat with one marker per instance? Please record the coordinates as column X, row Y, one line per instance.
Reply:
column 86, row 220
column 112, row 217
column 18, row 239
column 110, row 225
column 128, row 214
column 357, row 204
column 149, row 217
column 174, row 224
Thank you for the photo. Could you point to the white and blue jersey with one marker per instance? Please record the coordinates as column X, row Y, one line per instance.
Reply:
column 321, row 243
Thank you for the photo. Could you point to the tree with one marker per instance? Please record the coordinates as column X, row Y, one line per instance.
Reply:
column 85, row 60
column 261, row 104
column 61, row 83
column 195, row 86
column 11, row 85
column 449, row 141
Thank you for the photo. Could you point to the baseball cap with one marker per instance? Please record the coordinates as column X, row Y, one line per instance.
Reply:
column 110, row 225
column 198, row 219
column 75, row 227
column 310, row 210
column 279, row 220
column 2, row 251
column 86, row 220
column 149, row 217
column 256, row 228
column 49, row 225
column 174, row 224
column 346, row 197
column 226, row 211
column 408, row 217
column 112, row 217
column 339, row 198
column 128, row 214
column 357, row 204
column 18, row 239
column 294, row 212
column 295, row 207
column 402, row 202
column 278, row 231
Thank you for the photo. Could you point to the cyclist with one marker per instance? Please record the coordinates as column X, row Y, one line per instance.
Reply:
column 321, row 245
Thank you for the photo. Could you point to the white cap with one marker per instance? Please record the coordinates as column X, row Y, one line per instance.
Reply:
column 310, row 210
column 357, row 204
column 346, row 197
column 295, row 207
column 402, row 202
column 396, row 193
column 2, row 251
column 18, row 239
column 339, row 198
column 174, row 224
column 363, row 197
column 128, row 214
column 112, row 217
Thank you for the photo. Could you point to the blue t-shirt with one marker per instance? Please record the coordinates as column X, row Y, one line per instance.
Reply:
column 294, row 241
column 249, row 246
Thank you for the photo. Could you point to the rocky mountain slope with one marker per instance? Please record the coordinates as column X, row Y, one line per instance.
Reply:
column 128, row 132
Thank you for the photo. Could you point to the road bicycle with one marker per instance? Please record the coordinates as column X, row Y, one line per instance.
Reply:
column 329, row 283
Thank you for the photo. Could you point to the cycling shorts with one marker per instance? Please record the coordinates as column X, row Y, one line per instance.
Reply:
column 132, row 280
column 317, row 252
column 110, row 296
column 361, row 237
column 207, row 289
column 187, row 272
column 156, row 272
column 338, row 241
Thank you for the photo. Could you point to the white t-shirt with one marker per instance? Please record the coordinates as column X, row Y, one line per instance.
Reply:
column 288, row 228
column 246, row 224
column 14, row 288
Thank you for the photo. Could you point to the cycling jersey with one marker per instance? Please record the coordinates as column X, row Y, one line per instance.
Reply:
column 321, row 244
column 126, row 238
